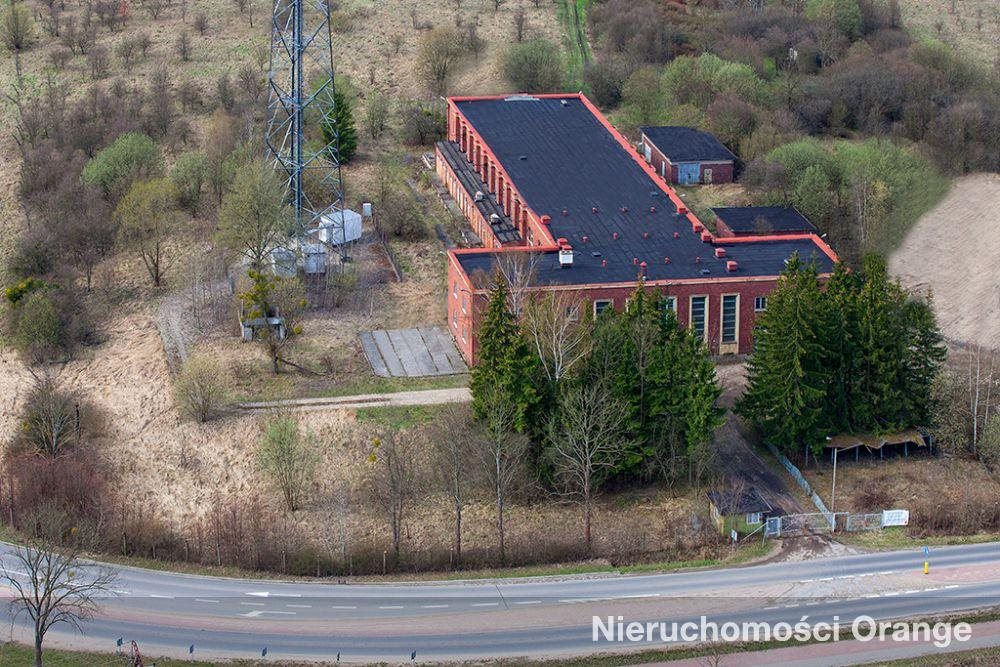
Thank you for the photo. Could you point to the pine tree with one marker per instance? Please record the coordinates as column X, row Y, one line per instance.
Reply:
column 785, row 393
column 339, row 129
column 507, row 367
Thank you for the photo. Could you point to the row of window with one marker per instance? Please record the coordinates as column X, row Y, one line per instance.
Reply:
column 698, row 313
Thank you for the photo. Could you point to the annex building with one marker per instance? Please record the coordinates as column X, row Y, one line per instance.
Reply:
column 548, row 174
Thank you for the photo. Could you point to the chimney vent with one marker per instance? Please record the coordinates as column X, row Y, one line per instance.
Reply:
column 652, row 209
column 565, row 256
column 732, row 265
column 546, row 219
column 604, row 263
column 682, row 210
column 677, row 235
column 645, row 235
column 615, row 236
column 720, row 252
column 706, row 236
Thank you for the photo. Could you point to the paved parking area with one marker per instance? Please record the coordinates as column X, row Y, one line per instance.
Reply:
column 422, row 352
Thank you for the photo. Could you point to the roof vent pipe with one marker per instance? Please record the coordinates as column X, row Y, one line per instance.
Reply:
column 720, row 253
column 732, row 265
column 546, row 219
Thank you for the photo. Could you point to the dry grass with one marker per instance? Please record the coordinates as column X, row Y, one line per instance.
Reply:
column 945, row 496
column 973, row 26
column 953, row 250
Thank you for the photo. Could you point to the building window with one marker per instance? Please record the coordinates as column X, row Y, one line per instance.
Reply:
column 465, row 304
column 759, row 304
column 699, row 315
column 465, row 334
column 454, row 320
column 730, row 312
column 753, row 519
column 600, row 305
column 454, row 289
column 573, row 313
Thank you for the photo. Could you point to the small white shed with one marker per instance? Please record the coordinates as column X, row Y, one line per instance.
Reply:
column 339, row 227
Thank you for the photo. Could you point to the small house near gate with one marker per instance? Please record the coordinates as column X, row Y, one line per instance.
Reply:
column 760, row 221
column 743, row 511
column 687, row 156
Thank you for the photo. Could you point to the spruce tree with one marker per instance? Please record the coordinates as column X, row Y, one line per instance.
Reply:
column 882, row 341
column 786, row 382
column 507, row 368
column 339, row 129
column 842, row 347
column 925, row 352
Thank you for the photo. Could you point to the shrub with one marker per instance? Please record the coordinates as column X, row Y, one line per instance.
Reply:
column 199, row 390
column 534, row 67
column 131, row 156
column 188, row 176
column 54, row 419
column 421, row 124
column 38, row 330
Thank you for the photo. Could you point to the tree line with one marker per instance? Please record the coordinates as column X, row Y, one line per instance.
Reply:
column 626, row 396
column 858, row 355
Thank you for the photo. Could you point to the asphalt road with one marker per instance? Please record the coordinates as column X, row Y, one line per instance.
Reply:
column 167, row 613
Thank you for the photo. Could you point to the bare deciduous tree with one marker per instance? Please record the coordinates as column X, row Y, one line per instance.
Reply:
column 560, row 333
column 50, row 584
column 439, row 54
column 501, row 453
column 16, row 31
column 451, row 443
column 289, row 458
column 394, row 480
column 519, row 22
column 586, row 443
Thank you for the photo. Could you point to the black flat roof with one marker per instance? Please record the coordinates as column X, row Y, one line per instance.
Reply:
column 748, row 501
column 763, row 219
column 687, row 144
column 561, row 157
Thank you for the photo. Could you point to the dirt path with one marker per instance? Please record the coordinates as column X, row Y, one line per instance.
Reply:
column 954, row 250
column 402, row 398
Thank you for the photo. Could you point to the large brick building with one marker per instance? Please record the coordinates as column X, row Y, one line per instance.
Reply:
column 548, row 174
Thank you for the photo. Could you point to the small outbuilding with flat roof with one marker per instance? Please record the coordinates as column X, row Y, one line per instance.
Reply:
column 760, row 221
column 687, row 156
column 742, row 510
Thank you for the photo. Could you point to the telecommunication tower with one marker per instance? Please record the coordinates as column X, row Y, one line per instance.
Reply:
column 301, row 94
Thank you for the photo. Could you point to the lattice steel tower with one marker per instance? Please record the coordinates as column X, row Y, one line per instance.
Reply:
column 301, row 85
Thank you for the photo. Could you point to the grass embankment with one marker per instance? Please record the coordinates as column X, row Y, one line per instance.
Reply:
column 891, row 539
column 572, row 16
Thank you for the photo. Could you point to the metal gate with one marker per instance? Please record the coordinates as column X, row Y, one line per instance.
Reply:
column 799, row 524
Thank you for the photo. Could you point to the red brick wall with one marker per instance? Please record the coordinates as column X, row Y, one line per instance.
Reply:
column 721, row 172
column 466, row 320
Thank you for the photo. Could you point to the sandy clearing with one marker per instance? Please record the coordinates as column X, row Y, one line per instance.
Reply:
column 954, row 250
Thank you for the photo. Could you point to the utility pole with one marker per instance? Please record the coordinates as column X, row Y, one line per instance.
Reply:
column 833, row 491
